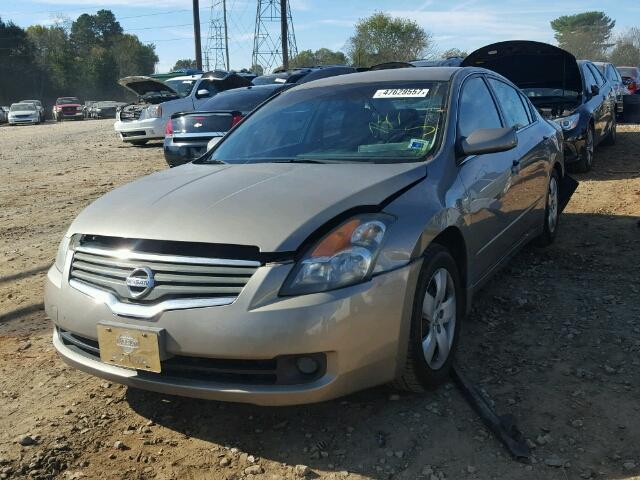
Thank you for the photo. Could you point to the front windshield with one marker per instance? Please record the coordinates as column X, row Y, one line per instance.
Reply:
column 23, row 107
column 182, row 87
column 382, row 122
column 66, row 101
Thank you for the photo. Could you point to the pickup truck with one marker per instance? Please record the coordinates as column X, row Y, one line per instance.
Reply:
column 145, row 119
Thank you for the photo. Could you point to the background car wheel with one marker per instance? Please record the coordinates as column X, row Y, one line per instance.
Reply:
column 552, row 211
column 586, row 156
column 610, row 139
column 435, row 324
column 139, row 143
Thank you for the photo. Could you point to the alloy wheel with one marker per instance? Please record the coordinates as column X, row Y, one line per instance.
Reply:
column 438, row 318
column 552, row 205
column 589, row 147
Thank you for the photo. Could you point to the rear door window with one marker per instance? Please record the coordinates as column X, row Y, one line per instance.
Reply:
column 513, row 109
column 596, row 74
column 589, row 79
column 477, row 108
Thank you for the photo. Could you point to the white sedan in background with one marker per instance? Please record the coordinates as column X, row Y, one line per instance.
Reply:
column 22, row 113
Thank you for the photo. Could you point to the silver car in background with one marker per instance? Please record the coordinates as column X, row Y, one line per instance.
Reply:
column 23, row 113
column 333, row 241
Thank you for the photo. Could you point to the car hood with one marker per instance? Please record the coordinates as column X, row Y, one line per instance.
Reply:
column 23, row 112
column 529, row 64
column 141, row 85
column 274, row 206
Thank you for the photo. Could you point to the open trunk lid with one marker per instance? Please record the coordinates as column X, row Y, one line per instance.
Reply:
column 530, row 65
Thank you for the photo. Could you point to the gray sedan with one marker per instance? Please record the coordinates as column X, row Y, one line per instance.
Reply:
column 331, row 242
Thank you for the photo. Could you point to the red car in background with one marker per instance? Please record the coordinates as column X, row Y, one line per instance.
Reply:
column 68, row 107
column 631, row 78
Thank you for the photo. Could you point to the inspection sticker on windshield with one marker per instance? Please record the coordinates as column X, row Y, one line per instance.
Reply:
column 401, row 93
column 418, row 144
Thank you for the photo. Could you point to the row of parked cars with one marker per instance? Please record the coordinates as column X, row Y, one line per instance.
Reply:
column 65, row 108
column 191, row 113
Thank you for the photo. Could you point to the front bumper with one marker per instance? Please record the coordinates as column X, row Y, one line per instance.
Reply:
column 362, row 330
column 147, row 129
column 71, row 115
column 25, row 121
column 574, row 144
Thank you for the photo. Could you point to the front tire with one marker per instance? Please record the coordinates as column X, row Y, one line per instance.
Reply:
column 435, row 324
column 552, row 211
column 584, row 164
column 610, row 139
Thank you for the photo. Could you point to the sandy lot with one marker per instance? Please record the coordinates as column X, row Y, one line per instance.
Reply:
column 553, row 340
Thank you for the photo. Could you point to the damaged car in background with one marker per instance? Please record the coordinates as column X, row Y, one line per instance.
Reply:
column 145, row 119
column 572, row 93
column 332, row 241
column 188, row 135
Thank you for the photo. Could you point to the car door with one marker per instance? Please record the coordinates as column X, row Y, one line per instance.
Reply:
column 488, row 206
column 595, row 102
column 608, row 99
column 529, row 172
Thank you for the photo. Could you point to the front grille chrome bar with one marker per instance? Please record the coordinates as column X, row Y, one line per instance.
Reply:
column 152, row 257
column 146, row 311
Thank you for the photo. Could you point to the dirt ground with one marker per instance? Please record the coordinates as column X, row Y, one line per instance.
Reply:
column 553, row 340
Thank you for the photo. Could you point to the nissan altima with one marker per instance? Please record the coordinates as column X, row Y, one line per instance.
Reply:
column 333, row 241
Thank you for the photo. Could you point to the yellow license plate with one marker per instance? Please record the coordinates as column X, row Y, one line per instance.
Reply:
column 129, row 348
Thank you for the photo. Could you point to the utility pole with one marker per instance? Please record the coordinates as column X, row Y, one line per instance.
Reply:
column 226, row 33
column 284, row 34
column 196, row 33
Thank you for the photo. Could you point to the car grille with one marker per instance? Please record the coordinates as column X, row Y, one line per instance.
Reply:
column 275, row 371
column 174, row 276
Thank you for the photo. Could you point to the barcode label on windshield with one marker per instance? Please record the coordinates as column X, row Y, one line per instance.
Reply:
column 401, row 93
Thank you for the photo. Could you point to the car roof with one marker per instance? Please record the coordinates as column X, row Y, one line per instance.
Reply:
column 442, row 74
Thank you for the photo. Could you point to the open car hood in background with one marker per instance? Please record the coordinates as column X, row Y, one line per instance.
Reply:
column 228, row 80
column 141, row 85
column 529, row 64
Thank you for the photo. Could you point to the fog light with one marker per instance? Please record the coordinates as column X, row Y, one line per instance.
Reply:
column 307, row 365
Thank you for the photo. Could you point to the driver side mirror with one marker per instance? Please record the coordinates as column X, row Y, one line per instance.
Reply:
column 203, row 93
column 595, row 90
column 488, row 140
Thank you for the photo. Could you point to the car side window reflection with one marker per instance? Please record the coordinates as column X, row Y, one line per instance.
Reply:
column 477, row 108
column 589, row 79
column 511, row 103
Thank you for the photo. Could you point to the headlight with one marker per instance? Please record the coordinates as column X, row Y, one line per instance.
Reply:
column 154, row 111
column 345, row 256
column 61, row 256
column 568, row 123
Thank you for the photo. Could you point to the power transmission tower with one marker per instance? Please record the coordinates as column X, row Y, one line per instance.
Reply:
column 217, row 50
column 270, row 29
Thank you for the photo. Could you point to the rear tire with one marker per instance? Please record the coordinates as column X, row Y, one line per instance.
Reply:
column 438, row 312
column 610, row 139
column 551, row 212
column 584, row 164
column 139, row 143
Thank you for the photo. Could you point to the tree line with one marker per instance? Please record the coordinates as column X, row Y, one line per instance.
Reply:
column 86, row 57
column 83, row 58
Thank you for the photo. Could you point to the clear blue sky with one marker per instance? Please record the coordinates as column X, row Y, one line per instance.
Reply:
column 465, row 24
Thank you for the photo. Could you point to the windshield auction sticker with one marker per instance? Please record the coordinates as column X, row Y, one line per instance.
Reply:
column 401, row 93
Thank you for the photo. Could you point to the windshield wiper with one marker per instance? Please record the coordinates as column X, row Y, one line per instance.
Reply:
column 297, row 160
